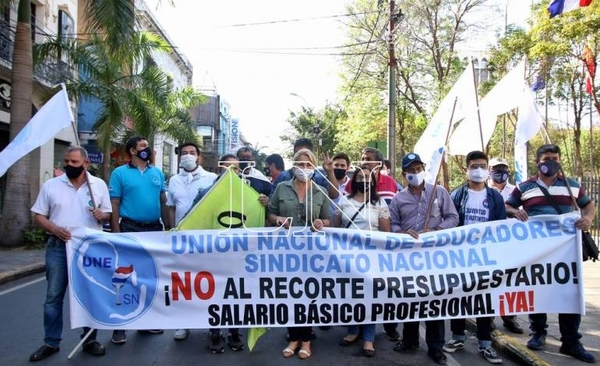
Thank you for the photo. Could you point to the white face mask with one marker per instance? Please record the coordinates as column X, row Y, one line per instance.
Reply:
column 415, row 180
column 189, row 162
column 478, row 175
column 303, row 175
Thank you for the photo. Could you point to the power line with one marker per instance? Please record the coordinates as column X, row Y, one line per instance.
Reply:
column 268, row 22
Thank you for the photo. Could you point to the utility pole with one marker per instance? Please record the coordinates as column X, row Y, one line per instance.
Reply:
column 391, row 137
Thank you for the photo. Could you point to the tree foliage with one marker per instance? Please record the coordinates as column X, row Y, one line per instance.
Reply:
column 554, row 51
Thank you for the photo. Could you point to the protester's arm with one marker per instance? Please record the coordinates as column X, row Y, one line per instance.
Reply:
column 171, row 221
column 114, row 219
column 164, row 211
column 587, row 216
column 449, row 213
column 44, row 223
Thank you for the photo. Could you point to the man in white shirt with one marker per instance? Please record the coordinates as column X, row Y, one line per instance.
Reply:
column 74, row 199
column 182, row 190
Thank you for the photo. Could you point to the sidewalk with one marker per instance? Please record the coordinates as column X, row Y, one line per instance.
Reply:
column 18, row 263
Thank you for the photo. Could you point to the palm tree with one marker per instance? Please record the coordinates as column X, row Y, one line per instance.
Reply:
column 16, row 216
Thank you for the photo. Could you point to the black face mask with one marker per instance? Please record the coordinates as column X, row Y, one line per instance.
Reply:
column 339, row 173
column 361, row 186
column 500, row 176
column 549, row 168
column 145, row 154
column 73, row 172
column 243, row 164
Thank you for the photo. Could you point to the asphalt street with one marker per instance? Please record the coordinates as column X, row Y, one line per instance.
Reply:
column 21, row 331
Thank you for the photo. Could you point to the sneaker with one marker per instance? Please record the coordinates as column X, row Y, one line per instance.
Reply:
column 402, row 346
column 438, row 356
column 489, row 354
column 217, row 344
column 181, row 334
column 235, row 342
column 453, row 345
column 576, row 350
column 119, row 337
column 392, row 335
column 536, row 342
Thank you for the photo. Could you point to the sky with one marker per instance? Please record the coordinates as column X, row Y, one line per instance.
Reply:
column 257, row 68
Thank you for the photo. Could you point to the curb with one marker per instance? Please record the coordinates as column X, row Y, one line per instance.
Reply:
column 508, row 345
column 21, row 272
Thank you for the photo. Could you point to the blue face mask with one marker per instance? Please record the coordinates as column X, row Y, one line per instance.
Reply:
column 500, row 176
column 549, row 168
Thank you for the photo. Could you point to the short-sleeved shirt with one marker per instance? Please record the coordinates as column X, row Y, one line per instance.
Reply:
column 409, row 212
column 139, row 192
column 67, row 206
column 285, row 202
column 184, row 187
column 367, row 218
column 529, row 195
column 506, row 191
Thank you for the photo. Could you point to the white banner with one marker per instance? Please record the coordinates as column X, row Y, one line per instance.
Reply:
column 528, row 125
column 55, row 115
column 211, row 278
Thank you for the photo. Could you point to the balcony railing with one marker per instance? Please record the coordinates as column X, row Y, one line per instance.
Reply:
column 50, row 72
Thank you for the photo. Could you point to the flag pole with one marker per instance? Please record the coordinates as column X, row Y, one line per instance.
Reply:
column 477, row 105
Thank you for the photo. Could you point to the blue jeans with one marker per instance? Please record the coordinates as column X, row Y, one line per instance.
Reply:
column 56, row 275
column 58, row 280
column 568, row 325
column 368, row 331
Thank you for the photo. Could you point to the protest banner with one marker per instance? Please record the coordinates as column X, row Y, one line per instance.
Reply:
column 238, row 278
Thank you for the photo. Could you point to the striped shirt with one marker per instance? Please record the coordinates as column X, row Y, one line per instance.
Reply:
column 408, row 211
column 530, row 196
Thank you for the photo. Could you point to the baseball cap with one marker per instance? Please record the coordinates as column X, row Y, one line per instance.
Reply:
column 409, row 159
column 497, row 161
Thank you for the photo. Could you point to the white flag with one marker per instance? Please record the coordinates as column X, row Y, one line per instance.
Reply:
column 432, row 143
column 528, row 124
column 55, row 115
column 503, row 97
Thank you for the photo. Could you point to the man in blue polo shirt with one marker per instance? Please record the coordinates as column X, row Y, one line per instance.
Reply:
column 138, row 198
column 530, row 195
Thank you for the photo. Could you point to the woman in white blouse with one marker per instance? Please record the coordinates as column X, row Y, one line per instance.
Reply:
column 362, row 209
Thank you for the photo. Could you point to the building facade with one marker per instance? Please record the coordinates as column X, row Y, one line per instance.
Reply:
column 48, row 19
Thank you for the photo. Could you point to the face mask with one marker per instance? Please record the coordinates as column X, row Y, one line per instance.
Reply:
column 243, row 165
column 361, row 187
column 145, row 154
column 478, row 175
column 267, row 172
column 339, row 173
column 73, row 172
column 549, row 167
column 500, row 176
column 188, row 162
column 303, row 175
column 415, row 180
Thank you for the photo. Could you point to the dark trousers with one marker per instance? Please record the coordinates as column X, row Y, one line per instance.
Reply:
column 434, row 334
column 568, row 325
column 127, row 226
column 390, row 328
column 484, row 327
column 302, row 334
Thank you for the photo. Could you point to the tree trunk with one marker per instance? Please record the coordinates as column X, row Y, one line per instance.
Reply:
column 577, row 144
column 16, row 214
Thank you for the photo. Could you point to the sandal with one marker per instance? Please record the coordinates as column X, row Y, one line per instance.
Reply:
column 304, row 354
column 290, row 350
